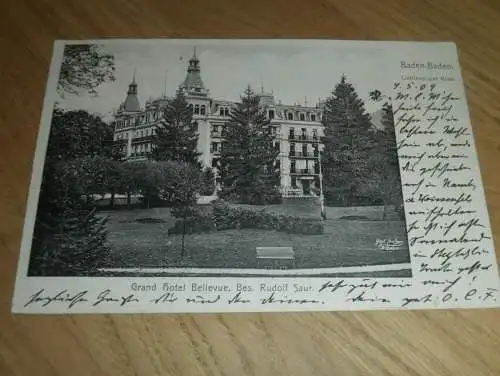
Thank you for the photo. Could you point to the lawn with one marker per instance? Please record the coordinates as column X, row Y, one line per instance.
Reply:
column 344, row 243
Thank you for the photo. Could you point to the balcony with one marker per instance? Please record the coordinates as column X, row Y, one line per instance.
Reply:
column 303, row 138
column 299, row 154
column 138, row 156
column 304, row 171
column 138, row 140
column 216, row 134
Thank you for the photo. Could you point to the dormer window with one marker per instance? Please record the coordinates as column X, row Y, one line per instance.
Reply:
column 224, row 111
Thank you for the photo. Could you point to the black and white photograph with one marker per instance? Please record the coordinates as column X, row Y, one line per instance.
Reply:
column 218, row 159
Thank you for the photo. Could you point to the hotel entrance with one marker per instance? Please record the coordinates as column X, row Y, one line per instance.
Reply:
column 306, row 187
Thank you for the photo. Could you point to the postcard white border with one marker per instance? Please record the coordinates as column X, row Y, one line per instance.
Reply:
column 24, row 285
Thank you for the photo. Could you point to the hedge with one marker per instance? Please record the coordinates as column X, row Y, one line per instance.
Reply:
column 224, row 217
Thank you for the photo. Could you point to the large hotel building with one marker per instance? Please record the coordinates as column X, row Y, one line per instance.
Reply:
column 298, row 130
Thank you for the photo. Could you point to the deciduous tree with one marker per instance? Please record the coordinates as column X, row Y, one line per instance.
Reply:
column 84, row 67
column 181, row 183
column 69, row 237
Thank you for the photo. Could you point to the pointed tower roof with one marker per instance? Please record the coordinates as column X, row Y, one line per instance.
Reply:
column 131, row 103
column 193, row 83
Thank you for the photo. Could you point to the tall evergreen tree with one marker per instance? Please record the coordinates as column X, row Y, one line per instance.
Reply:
column 208, row 179
column 384, row 180
column 176, row 137
column 347, row 143
column 248, row 165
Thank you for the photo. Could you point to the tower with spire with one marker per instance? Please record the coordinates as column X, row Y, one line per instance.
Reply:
column 131, row 103
column 193, row 84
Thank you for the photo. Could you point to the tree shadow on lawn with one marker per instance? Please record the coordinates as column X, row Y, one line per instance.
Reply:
column 344, row 243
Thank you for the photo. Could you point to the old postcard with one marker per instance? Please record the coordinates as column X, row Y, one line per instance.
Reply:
column 254, row 175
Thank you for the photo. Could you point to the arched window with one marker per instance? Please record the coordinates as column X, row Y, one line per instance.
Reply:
column 202, row 109
column 196, row 109
column 289, row 116
column 313, row 117
column 302, row 116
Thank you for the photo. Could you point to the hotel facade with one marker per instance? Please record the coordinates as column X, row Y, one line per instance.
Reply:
column 297, row 128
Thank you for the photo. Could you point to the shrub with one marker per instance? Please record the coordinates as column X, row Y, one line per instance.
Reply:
column 224, row 217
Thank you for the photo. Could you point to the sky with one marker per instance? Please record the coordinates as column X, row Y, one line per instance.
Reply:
column 294, row 73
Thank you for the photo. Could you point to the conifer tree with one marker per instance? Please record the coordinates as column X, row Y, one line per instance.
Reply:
column 176, row 137
column 208, row 185
column 384, row 180
column 347, row 143
column 248, row 165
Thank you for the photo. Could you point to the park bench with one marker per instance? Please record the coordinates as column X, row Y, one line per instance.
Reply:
column 275, row 257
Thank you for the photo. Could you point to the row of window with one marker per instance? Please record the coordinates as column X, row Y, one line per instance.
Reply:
column 218, row 129
column 199, row 110
column 307, row 170
column 292, row 115
column 303, row 134
column 135, row 134
column 216, row 147
column 224, row 111
column 154, row 116
column 304, row 150
column 148, row 117
column 294, row 183
column 141, row 148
